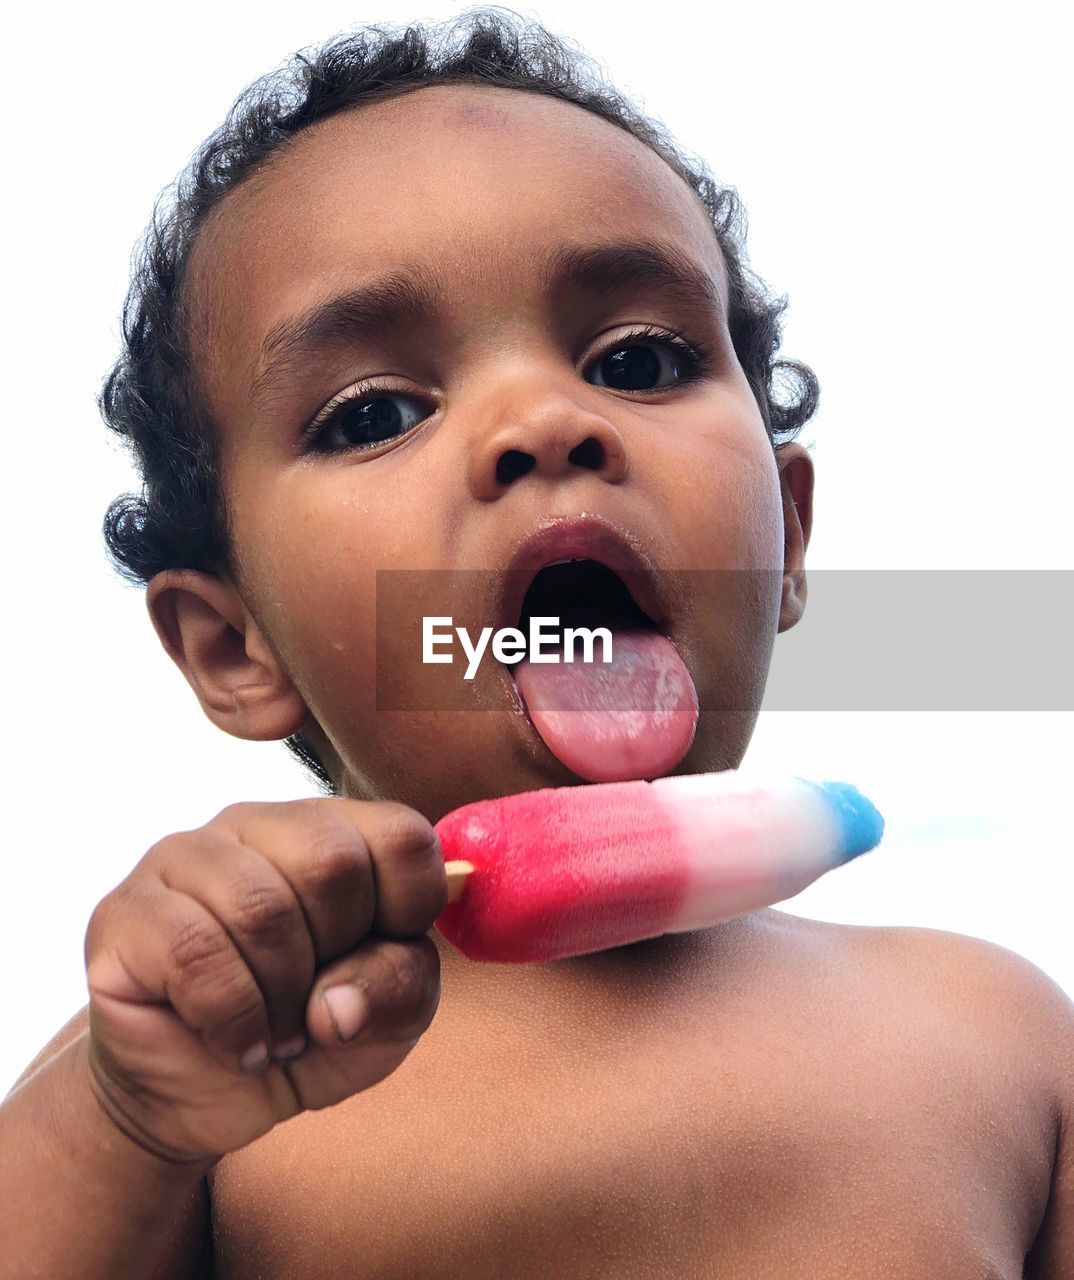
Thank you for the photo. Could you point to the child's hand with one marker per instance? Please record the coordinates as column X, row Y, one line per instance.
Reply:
column 227, row 936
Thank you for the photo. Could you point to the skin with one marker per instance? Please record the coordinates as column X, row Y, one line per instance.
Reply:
column 476, row 182
column 479, row 182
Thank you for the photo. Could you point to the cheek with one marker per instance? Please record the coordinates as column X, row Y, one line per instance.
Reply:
column 731, row 534
column 325, row 627
column 726, row 492
column 345, row 639
column 314, row 565
column 759, row 513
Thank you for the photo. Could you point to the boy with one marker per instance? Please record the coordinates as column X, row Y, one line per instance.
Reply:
column 773, row 1097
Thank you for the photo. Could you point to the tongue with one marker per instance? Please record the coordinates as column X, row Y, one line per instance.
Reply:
column 633, row 717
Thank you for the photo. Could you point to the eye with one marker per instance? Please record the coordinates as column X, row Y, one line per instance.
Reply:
column 353, row 420
column 363, row 417
column 637, row 361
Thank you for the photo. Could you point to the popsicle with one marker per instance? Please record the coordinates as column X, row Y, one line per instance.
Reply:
column 565, row 871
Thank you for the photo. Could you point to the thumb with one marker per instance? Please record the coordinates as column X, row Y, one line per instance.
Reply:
column 386, row 990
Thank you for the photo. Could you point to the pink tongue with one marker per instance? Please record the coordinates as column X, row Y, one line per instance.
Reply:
column 633, row 717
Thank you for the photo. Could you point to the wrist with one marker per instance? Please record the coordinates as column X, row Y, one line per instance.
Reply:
column 110, row 1131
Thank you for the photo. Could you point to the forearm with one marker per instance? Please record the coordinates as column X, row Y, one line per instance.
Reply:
column 81, row 1200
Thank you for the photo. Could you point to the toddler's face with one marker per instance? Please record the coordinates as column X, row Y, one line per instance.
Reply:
column 482, row 399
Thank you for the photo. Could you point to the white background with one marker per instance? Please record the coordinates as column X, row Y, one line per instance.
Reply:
column 902, row 176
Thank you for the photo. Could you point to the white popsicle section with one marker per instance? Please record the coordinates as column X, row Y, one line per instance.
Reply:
column 761, row 843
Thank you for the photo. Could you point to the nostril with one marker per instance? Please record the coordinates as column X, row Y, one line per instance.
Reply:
column 512, row 464
column 590, row 453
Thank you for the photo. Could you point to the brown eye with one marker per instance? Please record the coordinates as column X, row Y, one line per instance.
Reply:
column 366, row 421
column 638, row 362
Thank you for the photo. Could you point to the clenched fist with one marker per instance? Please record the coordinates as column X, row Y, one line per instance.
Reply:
column 270, row 962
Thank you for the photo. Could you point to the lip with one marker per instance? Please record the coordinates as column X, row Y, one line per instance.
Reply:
column 583, row 537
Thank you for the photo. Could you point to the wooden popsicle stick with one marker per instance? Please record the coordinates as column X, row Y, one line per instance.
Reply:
column 457, row 873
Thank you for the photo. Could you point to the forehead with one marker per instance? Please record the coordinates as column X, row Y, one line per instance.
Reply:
column 476, row 182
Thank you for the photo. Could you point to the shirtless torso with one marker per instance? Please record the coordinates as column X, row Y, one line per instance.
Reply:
column 773, row 1099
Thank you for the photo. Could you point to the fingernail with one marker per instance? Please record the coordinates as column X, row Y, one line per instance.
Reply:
column 348, row 1009
column 255, row 1057
column 288, row 1049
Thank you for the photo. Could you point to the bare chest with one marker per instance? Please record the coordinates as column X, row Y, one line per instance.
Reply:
column 692, row 1153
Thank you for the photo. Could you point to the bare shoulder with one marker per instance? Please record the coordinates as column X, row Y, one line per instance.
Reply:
column 993, row 987
column 1011, row 1007
column 944, row 997
column 982, row 976
column 1027, row 1014
column 966, row 1039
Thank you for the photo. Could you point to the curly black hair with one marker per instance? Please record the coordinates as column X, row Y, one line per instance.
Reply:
column 150, row 398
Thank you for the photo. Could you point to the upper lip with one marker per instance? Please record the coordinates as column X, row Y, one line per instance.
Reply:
column 585, row 537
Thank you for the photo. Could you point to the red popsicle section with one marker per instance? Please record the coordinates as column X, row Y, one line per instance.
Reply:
column 540, row 867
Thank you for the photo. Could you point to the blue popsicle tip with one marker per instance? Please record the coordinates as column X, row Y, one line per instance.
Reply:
column 859, row 820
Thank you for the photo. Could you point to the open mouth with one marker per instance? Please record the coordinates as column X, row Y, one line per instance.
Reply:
column 583, row 593
column 619, row 703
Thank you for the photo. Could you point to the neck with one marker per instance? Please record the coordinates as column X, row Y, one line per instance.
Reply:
column 651, row 964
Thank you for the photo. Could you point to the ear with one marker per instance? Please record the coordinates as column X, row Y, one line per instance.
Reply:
column 796, row 486
column 212, row 638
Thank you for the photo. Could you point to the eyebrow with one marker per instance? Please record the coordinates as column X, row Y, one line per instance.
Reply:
column 410, row 292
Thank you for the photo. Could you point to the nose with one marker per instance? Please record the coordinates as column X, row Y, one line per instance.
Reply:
column 554, row 438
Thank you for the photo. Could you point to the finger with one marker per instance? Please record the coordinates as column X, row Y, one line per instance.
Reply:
column 258, row 909
column 165, row 948
column 390, row 993
column 408, row 865
column 355, row 865
column 324, row 859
